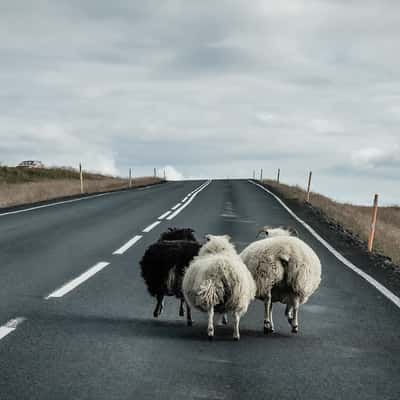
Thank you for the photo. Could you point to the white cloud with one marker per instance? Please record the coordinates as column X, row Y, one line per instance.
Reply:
column 212, row 88
column 173, row 174
column 373, row 157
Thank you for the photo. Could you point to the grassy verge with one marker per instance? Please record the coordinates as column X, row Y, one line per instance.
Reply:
column 25, row 186
column 355, row 219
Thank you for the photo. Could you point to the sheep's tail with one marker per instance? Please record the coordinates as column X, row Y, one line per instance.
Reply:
column 207, row 295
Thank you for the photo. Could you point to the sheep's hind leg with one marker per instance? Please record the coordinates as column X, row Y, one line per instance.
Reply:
column 210, row 329
column 289, row 311
column 189, row 320
column 236, row 321
column 294, row 318
column 224, row 319
column 268, row 323
column 159, row 306
column 181, row 310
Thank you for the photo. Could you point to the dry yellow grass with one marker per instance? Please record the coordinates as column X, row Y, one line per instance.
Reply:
column 356, row 219
column 12, row 194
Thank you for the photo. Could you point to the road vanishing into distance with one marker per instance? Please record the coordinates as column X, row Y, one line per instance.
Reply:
column 76, row 319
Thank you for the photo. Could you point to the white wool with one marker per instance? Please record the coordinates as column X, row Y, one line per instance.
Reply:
column 270, row 232
column 218, row 278
column 287, row 258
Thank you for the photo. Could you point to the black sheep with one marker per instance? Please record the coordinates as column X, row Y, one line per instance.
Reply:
column 178, row 234
column 163, row 266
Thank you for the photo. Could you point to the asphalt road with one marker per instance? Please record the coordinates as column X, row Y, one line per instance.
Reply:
column 99, row 340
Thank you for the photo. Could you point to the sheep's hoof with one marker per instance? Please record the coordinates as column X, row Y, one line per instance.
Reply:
column 181, row 313
column 156, row 314
column 236, row 338
column 189, row 323
column 295, row 329
column 268, row 330
column 210, row 338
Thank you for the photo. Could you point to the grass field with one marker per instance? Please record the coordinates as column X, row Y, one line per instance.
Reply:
column 29, row 185
column 356, row 219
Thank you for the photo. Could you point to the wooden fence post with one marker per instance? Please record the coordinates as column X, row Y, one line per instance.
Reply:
column 155, row 173
column 254, row 174
column 279, row 175
column 308, row 187
column 373, row 223
column 130, row 177
column 81, row 176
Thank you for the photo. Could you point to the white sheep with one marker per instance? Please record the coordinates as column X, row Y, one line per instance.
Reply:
column 268, row 231
column 218, row 281
column 285, row 269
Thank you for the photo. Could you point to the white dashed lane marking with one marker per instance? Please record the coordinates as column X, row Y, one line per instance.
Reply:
column 10, row 326
column 195, row 193
column 128, row 245
column 78, row 281
column 152, row 226
column 164, row 215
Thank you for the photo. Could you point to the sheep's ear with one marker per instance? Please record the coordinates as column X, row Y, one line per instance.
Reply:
column 292, row 231
column 228, row 238
column 263, row 230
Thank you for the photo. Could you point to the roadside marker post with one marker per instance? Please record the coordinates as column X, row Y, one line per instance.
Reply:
column 130, row 177
column 279, row 176
column 261, row 174
column 81, row 176
column 308, row 187
column 373, row 223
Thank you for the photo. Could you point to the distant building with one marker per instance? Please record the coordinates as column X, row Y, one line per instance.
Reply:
column 31, row 164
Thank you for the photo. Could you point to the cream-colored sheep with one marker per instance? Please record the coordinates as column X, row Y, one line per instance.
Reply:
column 218, row 281
column 268, row 231
column 285, row 269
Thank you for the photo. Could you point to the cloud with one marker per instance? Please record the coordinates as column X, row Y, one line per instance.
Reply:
column 172, row 174
column 212, row 88
column 373, row 157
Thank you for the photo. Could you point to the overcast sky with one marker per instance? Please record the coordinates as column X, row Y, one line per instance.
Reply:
column 209, row 88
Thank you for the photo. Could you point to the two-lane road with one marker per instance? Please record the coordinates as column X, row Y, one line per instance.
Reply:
column 99, row 340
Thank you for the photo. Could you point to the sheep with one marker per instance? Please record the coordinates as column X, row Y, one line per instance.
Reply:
column 218, row 281
column 285, row 269
column 163, row 266
column 178, row 234
column 269, row 231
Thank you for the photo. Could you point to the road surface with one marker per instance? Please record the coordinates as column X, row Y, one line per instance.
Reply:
column 76, row 320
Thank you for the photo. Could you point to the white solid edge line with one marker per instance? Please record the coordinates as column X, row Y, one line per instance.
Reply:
column 127, row 245
column 10, row 326
column 176, row 206
column 382, row 289
column 150, row 227
column 173, row 215
column 164, row 215
column 57, row 203
column 77, row 281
